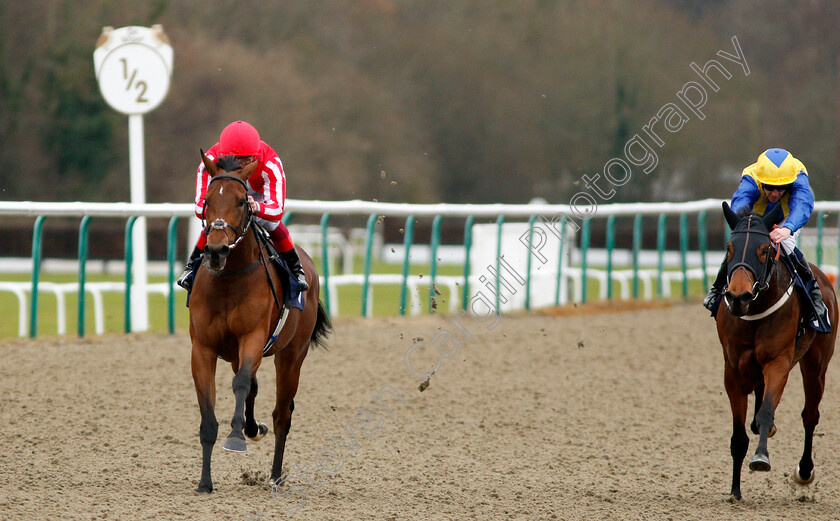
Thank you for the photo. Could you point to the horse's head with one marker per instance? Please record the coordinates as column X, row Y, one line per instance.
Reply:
column 226, row 211
column 749, row 257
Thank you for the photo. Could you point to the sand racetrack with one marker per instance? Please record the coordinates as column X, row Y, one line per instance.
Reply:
column 610, row 415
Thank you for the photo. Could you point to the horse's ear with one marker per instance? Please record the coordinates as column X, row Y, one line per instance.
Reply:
column 731, row 218
column 209, row 165
column 773, row 217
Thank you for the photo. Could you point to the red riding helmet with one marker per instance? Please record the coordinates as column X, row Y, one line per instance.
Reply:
column 239, row 139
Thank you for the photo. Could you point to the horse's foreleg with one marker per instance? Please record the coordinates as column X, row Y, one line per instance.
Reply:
column 288, row 376
column 740, row 442
column 242, row 384
column 235, row 441
column 775, row 378
column 759, row 396
column 254, row 430
column 204, row 375
column 813, row 379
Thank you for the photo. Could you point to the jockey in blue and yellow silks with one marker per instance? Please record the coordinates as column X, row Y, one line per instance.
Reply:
column 778, row 178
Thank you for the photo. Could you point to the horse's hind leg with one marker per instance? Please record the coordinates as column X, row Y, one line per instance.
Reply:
column 204, row 371
column 813, row 380
column 775, row 378
column 254, row 430
column 740, row 442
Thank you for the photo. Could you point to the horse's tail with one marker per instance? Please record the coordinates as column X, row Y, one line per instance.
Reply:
column 323, row 327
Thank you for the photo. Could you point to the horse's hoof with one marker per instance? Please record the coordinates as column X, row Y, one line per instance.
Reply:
column 797, row 476
column 734, row 498
column 233, row 444
column 772, row 432
column 262, row 430
column 204, row 488
column 760, row 462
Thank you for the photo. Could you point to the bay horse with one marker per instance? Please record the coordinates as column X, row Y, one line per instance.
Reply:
column 234, row 306
column 763, row 339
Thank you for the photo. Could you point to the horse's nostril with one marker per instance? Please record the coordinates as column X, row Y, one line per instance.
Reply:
column 217, row 251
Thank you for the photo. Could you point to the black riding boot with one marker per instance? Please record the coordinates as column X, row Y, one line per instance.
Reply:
column 712, row 300
column 819, row 318
column 293, row 261
column 186, row 278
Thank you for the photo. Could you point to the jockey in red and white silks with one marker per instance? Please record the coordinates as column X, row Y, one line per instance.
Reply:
column 266, row 193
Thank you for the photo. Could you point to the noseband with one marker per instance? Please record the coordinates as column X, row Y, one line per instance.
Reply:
column 221, row 224
column 761, row 282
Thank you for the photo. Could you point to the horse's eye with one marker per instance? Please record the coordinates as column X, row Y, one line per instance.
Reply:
column 243, row 202
column 730, row 250
column 762, row 252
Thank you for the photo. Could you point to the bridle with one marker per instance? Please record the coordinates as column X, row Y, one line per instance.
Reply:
column 761, row 282
column 240, row 231
column 220, row 224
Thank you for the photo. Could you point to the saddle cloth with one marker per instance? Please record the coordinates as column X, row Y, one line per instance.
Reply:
column 805, row 292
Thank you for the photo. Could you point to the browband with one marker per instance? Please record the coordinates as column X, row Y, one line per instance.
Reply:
column 227, row 176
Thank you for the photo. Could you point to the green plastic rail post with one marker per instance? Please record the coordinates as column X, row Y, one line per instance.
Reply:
column 562, row 242
column 37, row 232
column 637, row 246
column 684, row 253
column 468, row 225
column 610, row 247
column 287, row 216
column 703, row 246
column 584, row 249
column 837, row 281
column 435, row 242
column 129, row 259
column 660, row 251
column 325, row 262
column 83, row 248
column 820, row 219
column 409, row 238
column 500, row 221
column 370, row 229
column 171, row 255
column 531, row 221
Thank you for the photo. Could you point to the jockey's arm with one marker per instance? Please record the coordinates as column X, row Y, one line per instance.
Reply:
column 202, row 180
column 746, row 195
column 801, row 203
column 273, row 191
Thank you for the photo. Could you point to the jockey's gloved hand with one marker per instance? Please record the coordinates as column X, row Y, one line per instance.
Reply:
column 255, row 206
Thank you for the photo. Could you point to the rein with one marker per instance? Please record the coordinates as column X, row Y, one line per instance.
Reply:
column 262, row 242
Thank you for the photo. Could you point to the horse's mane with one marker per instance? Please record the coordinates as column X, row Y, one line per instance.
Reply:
column 745, row 211
column 228, row 163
